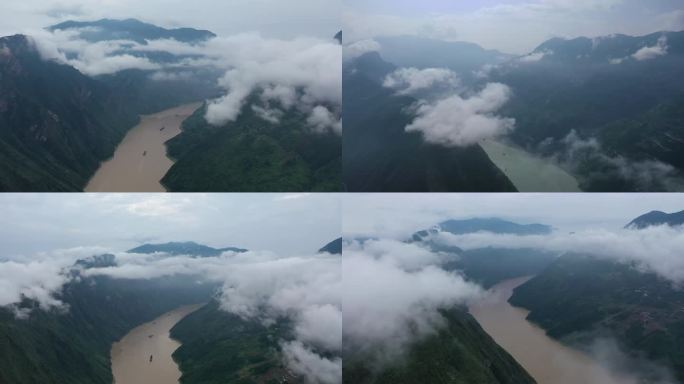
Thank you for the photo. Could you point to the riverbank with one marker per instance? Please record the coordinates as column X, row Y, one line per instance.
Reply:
column 546, row 359
column 144, row 355
column 140, row 160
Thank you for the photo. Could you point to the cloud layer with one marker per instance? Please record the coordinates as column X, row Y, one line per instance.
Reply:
column 461, row 121
column 392, row 294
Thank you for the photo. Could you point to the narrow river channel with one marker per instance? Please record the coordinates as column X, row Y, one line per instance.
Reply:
column 140, row 161
column 143, row 356
column 547, row 360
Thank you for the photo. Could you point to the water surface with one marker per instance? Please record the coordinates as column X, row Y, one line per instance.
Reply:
column 131, row 355
column 547, row 360
column 140, row 161
column 527, row 172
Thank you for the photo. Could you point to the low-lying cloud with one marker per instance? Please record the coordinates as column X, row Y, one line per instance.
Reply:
column 392, row 293
column 643, row 175
column 408, row 81
column 654, row 249
column 260, row 286
column 303, row 73
column 461, row 121
column 648, row 53
column 360, row 48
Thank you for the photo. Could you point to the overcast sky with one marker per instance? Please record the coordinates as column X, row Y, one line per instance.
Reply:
column 512, row 26
column 287, row 224
column 273, row 18
column 399, row 215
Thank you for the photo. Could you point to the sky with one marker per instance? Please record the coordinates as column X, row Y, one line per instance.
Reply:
column 288, row 224
column 272, row 18
column 399, row 215
column 511, row 26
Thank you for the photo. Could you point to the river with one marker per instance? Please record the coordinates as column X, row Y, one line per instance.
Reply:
column 527, row 172
column 547, row 360
column 140, row 160
column 131, row 355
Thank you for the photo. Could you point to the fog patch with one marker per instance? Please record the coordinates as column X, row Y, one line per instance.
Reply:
column 587, row 160
column 393, row 293
column 462, row 121
column 409, row 81
column 653, row 249
column 649, row 53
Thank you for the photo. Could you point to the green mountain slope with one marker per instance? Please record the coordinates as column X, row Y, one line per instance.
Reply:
column 253, row 155
column 218, row 347
column 460, row 353
column 579, row 297
column 55, row 347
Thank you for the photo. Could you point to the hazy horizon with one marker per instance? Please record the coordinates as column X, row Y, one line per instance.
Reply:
column 510, row 26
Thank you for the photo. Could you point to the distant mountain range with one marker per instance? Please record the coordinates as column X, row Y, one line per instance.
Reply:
column 130, row 29
column 654, row 218
column 184, row 248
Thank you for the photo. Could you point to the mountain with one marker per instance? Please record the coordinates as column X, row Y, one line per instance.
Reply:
column 184, row 248
column 338, row 37
column 580, row 298
column 494, row 225
column 334, row 247
column 56, row 124
column 219, row 347
column 253, row 155
column 657, row 218
column 130, row 29
column 379, row 155
column 596, row 89
column 487, row 266
column 72, row 344
column 461, row 352
column 419, row 52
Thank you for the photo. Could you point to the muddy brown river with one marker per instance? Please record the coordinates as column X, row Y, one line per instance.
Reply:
column 140, row 161
column 547, row 360
column 131, row 355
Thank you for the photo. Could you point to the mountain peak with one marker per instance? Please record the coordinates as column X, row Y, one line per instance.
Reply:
column 131, row 29
column 184, row 248
column 334, row 247
column 655, row 218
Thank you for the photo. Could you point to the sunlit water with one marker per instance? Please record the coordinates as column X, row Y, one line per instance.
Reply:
column 527, row 172
column 140, row 161
column 131, row 355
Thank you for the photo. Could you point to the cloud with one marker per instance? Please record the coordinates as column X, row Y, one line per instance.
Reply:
column 322, row 120
column 312, row 366
column 461, row 122
column 649, row 53
column 534, row 57
column 260, row 286
column 90, row 58
column 392, row 294
column 360, row 48
column 305, row 73
column 409, row 81
column 644, row 175
column 654, row 249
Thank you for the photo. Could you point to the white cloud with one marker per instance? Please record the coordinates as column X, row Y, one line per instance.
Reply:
column 314, row 368
column 654, row 249
column 392, row 293
column 360, row 48
column 534, row 57
column 648, row 53
column 322, row 120
column 461, row 122
column 411, row 80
